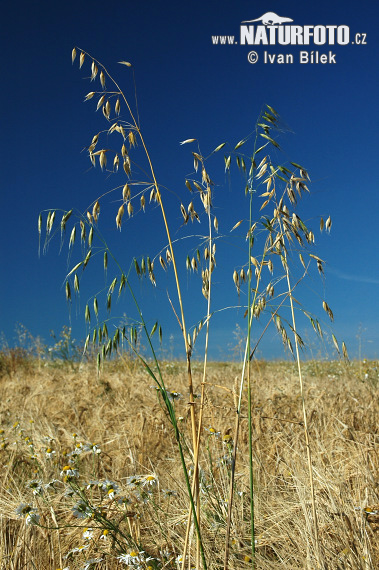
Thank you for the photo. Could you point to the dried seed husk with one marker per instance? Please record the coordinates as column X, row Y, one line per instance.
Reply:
column 335, row 343
column 236, row 225
column 126, row 165
column 344, row 351
column 328, row 224
column 100, row 102
column 117, row 107
column 126, row 192
column 215, row 223
column 102, row 79
column 96, row 211
column 89, row 95
column 103, row 159
column 132, row 139
column 81, row 59
column 219, row 147
column 130, row 209
column 94, row 70
column 116, row 162
column 143, row 202
column 119, row 216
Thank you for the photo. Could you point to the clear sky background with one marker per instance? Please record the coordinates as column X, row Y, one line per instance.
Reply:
column 187, row 88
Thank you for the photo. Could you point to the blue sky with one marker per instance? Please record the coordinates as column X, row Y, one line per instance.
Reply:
column 187, row 88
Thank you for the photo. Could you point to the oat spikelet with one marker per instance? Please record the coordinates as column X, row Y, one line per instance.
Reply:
column 215, row 224
column 132, row 139
column 94, row 71
column 81, row 59
column 73, row 55
column 126, row 165
column 126, row 192
column 116, row 162
column 72, row 237
column 236, row 280
column 89, row 95
column 68, row 291
column 143, row 203
column 102, row 79
column 184, row 213
column 100, row 102
column 103, row 159
column 335, row 343
column 162, row 262
column 96, row 211
column 344, row 351
column 328, row 224
column 130, row 209
column 117, row 107
column 120, row 213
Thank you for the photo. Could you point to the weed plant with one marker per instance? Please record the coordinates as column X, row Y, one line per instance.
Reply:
column 221, row 514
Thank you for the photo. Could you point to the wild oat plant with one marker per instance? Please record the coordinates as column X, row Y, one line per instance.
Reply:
column 243, row 498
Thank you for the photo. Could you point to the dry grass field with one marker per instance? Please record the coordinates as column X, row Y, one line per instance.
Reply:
column 91, row 475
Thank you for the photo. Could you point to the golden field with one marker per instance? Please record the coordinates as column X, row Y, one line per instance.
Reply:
column 126, row 494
